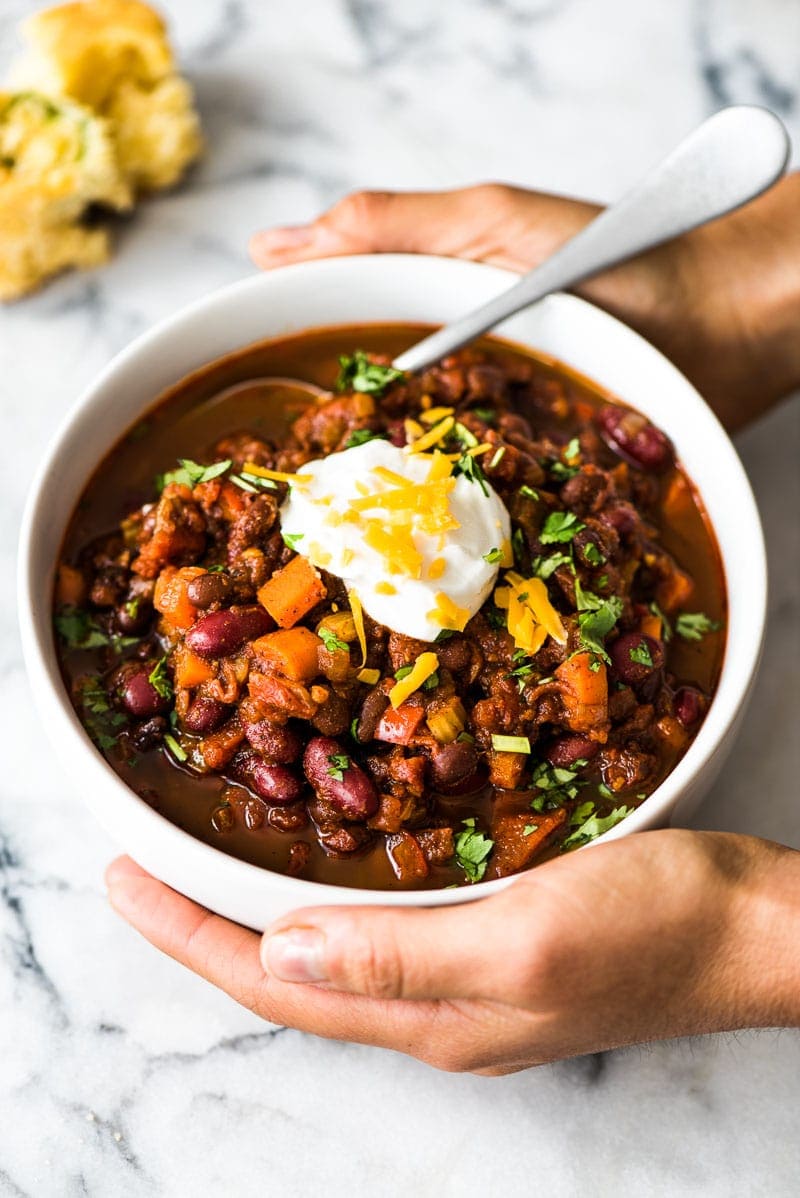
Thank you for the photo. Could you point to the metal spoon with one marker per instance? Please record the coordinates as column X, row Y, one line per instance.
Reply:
column 731, row 158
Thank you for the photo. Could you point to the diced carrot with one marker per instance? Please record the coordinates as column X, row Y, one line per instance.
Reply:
column 171, row 597
column 292, row 592
column 291, row 652
column 232, row 500
column 406, row 856
column 70, row 586
column 584, row 693
column 398, row 725
column 650, row 625
column 190, row 670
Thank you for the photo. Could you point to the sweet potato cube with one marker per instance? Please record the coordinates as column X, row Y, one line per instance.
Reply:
column 292, row 592
column 291, row 652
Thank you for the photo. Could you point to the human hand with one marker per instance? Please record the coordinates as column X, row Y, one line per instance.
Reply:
column 654, row 935
column 723, row 302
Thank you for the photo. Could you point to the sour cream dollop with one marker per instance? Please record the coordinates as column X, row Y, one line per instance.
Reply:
column 407, row 538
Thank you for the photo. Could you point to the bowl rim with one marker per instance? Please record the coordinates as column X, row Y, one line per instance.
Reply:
column 53, row 702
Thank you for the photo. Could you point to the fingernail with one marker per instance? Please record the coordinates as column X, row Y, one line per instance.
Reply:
column 295, row 956
column 287, row 236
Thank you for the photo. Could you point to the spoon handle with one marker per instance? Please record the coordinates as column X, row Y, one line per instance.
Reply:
column 729, row 159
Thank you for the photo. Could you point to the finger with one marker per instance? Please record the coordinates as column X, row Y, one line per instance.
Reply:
column 505, row 226
column 228, row 956
column 479, row 950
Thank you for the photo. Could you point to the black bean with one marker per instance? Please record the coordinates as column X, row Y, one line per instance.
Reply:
column 372, row 709
column 221, row 633
column 209, row 589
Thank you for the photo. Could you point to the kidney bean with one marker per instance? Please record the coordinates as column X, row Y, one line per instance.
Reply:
column 137, row 694
column 688, row 705
column 452, row 764
column 205, row 715
column 566, row 750
column 397, row 433
column 223, row 632
column 277, row 743
column 626, row 668
column 354, row 796
column 208, row 589
column 634, row 438
column 275, row 783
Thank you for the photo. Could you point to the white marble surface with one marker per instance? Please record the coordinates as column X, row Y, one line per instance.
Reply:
column 119, row 1073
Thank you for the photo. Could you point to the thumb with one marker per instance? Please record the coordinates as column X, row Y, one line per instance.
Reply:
column 505, row 226
column 475, row 950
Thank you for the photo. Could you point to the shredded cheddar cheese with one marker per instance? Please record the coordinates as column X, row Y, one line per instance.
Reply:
column 432, row 437
column 358, row 620
column 436, row 568
column 531, row 617
column 448, row 614
column 385, row 588
column 434, row 415
column 279, row 476
column 425, row 665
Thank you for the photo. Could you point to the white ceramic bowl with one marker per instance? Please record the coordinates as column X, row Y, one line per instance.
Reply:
column 358, row 289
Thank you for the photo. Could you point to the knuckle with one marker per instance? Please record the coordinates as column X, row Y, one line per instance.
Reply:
column 374, row 967
column 360, row 208
column 494, row 195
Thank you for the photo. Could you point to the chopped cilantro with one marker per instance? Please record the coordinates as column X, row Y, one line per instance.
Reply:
column 191, row 473
column 543, row 567
column 217, row 568
column 557, row 785
column 472, row 850
column 471, row 469
column 493, row 556
column 519, row 546
column 132, row 607
column 290, row 539
column 357, row 373
column 354, row 728
column 640, row 654
column 403, row 672
column 332, row 642
column 595, row 624
column 159, row 679
column 487, row 415
column 431, row 682
column 560, row 527
column 338, row 763
column 494, row 617
column 444, row 635
column 561, row 471
column 81, row 631
column 592, row 554
column 693, row 626
column 594, row 826
column 360, row 436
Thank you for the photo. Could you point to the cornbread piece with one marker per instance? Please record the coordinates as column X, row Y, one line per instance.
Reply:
column 56, row 158
column 113, row 56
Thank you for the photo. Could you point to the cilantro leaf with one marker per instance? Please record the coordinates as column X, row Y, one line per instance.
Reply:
column 358, row 373
column 160, row 680
column 191, row 473
column 666, row 627
column 470, row 468
column 593, row 827
column 560, row 527
column 592, row 554
column 693, row 626
column 472, row 850
column 77, row 628
column 338, row 763
column 360, row 436
column 595, row 624
column 331, row 641
column 543, row 566
column 493, row 556
column 640, row 654
column 290, row 539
